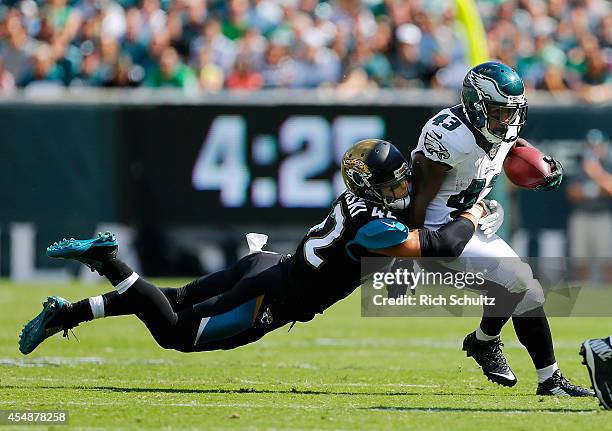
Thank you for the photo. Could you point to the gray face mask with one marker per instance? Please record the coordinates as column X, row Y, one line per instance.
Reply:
column 503, row 124
column 395, row 195
column 398, row 204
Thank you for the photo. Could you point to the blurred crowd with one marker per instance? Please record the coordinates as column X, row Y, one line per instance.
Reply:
column 555, row 45
column 590, row 224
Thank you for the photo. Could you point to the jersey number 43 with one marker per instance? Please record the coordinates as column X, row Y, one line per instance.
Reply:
column 469, row 196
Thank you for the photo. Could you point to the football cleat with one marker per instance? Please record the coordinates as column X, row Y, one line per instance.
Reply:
column 597, row 356
column 560, row 386
column 91, row 252
column 47, row 323
column 489, row 356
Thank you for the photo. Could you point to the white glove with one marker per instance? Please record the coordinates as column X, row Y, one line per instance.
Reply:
column 490, row 223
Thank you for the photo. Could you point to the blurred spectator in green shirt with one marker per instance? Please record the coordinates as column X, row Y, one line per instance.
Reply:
column 235, row 24
column 172, row 72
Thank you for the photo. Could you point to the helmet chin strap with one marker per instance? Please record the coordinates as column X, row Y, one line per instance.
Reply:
column 510, row 136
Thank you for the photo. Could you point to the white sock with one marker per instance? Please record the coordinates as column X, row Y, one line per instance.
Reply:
column 97, row 306
column 546, row 373
column 481, row 336
column 127, row 283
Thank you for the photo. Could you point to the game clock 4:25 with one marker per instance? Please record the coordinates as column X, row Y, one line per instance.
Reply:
column 306, row 149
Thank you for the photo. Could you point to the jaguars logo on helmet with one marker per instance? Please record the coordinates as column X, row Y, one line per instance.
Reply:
column 357, row 170
column 494, row 101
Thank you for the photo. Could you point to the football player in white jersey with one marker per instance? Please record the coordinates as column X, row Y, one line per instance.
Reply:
column 458, row 158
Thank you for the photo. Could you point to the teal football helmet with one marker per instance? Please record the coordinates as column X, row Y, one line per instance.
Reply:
column 494, row 101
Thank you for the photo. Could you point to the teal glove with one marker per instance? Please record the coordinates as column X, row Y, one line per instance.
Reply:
column 556, row 176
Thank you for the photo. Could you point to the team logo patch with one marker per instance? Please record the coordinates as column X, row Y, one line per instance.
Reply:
column 435, row 147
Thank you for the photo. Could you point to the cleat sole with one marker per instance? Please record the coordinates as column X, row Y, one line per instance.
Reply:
column 500, row 381
column 77, row 249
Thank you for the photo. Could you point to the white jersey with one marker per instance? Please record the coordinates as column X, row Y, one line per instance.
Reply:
column 474, row 164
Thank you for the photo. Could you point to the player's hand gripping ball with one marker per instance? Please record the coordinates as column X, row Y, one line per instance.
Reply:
column 529, row 168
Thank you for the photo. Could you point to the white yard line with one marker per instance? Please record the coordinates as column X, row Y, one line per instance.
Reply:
column 44, row 361
column 157, row 404
column 453, row 344
column 305, row 386
column 299, row 407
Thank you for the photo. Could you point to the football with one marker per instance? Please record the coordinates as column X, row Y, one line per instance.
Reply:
column 525, row 167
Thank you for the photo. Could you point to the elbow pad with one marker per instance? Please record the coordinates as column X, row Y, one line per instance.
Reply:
column 448, row 241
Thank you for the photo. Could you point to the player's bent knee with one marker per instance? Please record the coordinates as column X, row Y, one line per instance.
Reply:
column 533, row 299
column 536, row 294
column 518, row 275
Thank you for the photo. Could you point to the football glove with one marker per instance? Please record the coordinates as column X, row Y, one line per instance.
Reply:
column 556, row 176
column 490, row 223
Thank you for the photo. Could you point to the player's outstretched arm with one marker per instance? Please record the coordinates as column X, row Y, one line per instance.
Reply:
column 448, row 241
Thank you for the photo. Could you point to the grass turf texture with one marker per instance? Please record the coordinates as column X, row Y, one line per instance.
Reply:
column 339, row 371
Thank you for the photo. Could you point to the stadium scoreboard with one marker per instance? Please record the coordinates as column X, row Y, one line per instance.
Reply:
column 248, row 163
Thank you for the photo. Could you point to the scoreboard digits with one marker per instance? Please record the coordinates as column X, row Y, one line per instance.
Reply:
column 305, row 158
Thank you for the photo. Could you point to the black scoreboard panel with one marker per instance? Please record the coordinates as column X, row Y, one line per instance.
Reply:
column 198, row 164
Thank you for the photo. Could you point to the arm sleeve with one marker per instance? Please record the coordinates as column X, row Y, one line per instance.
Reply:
column 448, row 241
column 381, row 233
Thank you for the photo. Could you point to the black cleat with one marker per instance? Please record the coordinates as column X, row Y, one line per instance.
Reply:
column 597, row 356
column 561, row 387
column 489, row 356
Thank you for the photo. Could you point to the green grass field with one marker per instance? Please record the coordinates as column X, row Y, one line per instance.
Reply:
column 340, row 371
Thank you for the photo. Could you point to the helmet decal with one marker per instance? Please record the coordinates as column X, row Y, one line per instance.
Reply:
column 357, row 165
column 358, row 171
column 356, row 177
column 487, row 87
